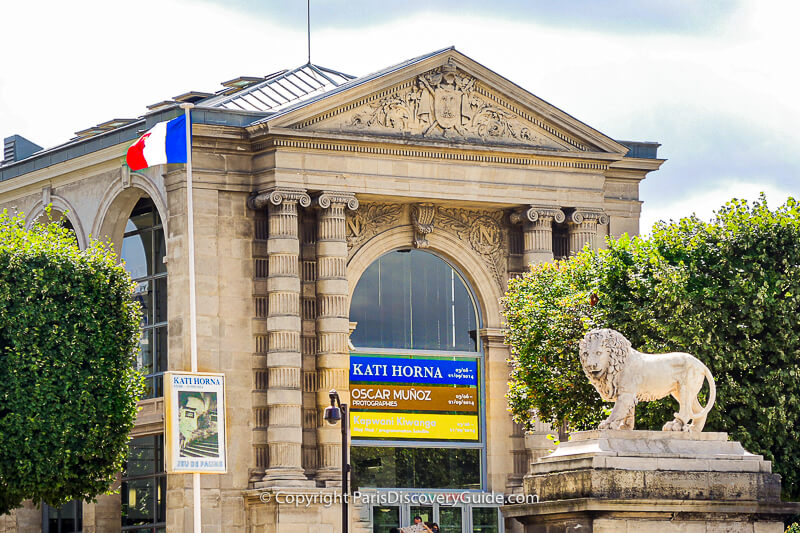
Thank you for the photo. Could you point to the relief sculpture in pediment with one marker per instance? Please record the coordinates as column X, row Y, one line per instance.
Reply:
column 445, row 103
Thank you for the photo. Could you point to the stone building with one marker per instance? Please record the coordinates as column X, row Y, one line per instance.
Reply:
column 335, row 217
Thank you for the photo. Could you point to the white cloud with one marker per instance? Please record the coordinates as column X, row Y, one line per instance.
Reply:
column 68, row 66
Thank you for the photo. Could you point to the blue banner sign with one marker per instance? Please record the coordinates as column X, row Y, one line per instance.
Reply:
column 369, row 368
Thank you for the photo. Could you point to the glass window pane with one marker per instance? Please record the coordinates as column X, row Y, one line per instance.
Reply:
column 144, row 360
column 161, row 500
column 429, row 468
column 141, row 217
column 142, row 457
column 484, row 520
column 385, row 518
column 450, row 519
column 138, row 502
column 135, row 251
column 144, row 486
column 160, row 357
column 160, row 300
column 412, row 299
column 159, row 251
column 424, row 512
column 143, row 294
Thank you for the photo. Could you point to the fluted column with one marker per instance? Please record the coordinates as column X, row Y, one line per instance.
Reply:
column 284, row 361
column 582, row 226
column 537, row 232
column 333, row 326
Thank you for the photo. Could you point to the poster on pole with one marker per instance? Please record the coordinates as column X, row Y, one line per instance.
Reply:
column 194, row 416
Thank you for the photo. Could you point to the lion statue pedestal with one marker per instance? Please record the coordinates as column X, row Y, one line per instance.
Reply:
column 610, row 481
column 679, row 479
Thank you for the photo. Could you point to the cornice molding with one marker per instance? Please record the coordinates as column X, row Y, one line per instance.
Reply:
column 449, row 155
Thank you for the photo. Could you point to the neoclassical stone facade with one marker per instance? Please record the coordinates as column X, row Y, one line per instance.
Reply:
column 293, row 203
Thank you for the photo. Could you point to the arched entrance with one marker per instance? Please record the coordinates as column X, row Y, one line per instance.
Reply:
column 417, row 393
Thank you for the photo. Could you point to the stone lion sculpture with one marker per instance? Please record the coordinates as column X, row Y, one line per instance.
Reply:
column 625, row 376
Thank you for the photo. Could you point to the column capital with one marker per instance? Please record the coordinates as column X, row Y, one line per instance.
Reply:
column 278, row 195
column 537, row 212
column 327, row 198
column 581, row 215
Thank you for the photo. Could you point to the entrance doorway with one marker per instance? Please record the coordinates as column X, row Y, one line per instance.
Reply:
column 451, row 518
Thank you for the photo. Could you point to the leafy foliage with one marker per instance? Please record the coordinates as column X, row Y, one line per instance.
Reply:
column 726, row 291
column 68, row 390
column 548, row 311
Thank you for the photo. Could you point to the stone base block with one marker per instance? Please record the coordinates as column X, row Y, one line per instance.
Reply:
column 589, row 515
column 653, row 464
column 293, row 511
column 652, row 481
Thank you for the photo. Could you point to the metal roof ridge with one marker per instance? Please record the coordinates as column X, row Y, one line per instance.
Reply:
column 221, row 100
column 355, row 82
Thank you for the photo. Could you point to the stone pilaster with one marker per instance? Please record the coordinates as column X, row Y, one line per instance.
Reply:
column 333, row 326
column 537, row 232
column 582, row 226
column 284, row 362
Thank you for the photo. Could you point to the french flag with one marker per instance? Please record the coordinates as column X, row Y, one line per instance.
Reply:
column 163, row 143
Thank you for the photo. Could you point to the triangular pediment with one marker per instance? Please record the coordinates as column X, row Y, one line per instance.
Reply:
column 446, row 97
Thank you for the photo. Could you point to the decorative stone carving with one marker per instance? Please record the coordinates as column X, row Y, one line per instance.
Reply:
column 445, row 103
column 422, row 219
column 368, row 220
column 277, row 196
column 625, row 376
column 485, row 234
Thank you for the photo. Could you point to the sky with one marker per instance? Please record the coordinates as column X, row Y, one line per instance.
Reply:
column 715, row 82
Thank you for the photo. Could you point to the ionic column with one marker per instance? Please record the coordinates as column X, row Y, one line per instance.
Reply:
column 537, row 232
column 284, row 361
column 333, row 326
column 582, row 227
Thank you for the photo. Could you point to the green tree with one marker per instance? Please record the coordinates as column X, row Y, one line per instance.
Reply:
column 68, row 389
column 726, row 291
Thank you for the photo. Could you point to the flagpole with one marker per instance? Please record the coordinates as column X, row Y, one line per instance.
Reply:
column 187, row 107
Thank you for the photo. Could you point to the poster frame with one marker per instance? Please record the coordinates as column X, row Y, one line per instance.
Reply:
column 171, row 424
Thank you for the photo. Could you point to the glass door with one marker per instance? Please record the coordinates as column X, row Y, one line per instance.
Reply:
column 451, row 519
column 484, row 520
column 424, row 512
column 385, row 518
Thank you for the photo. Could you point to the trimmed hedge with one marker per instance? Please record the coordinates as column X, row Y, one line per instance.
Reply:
column 69, row 333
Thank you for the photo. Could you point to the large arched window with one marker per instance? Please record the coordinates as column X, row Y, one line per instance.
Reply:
column 143, row 250
column 416, row 377
column 413, row 300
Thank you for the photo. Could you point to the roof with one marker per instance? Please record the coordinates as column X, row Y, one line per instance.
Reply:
column 243, row 101
column 277, row 91
column 354, row 82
